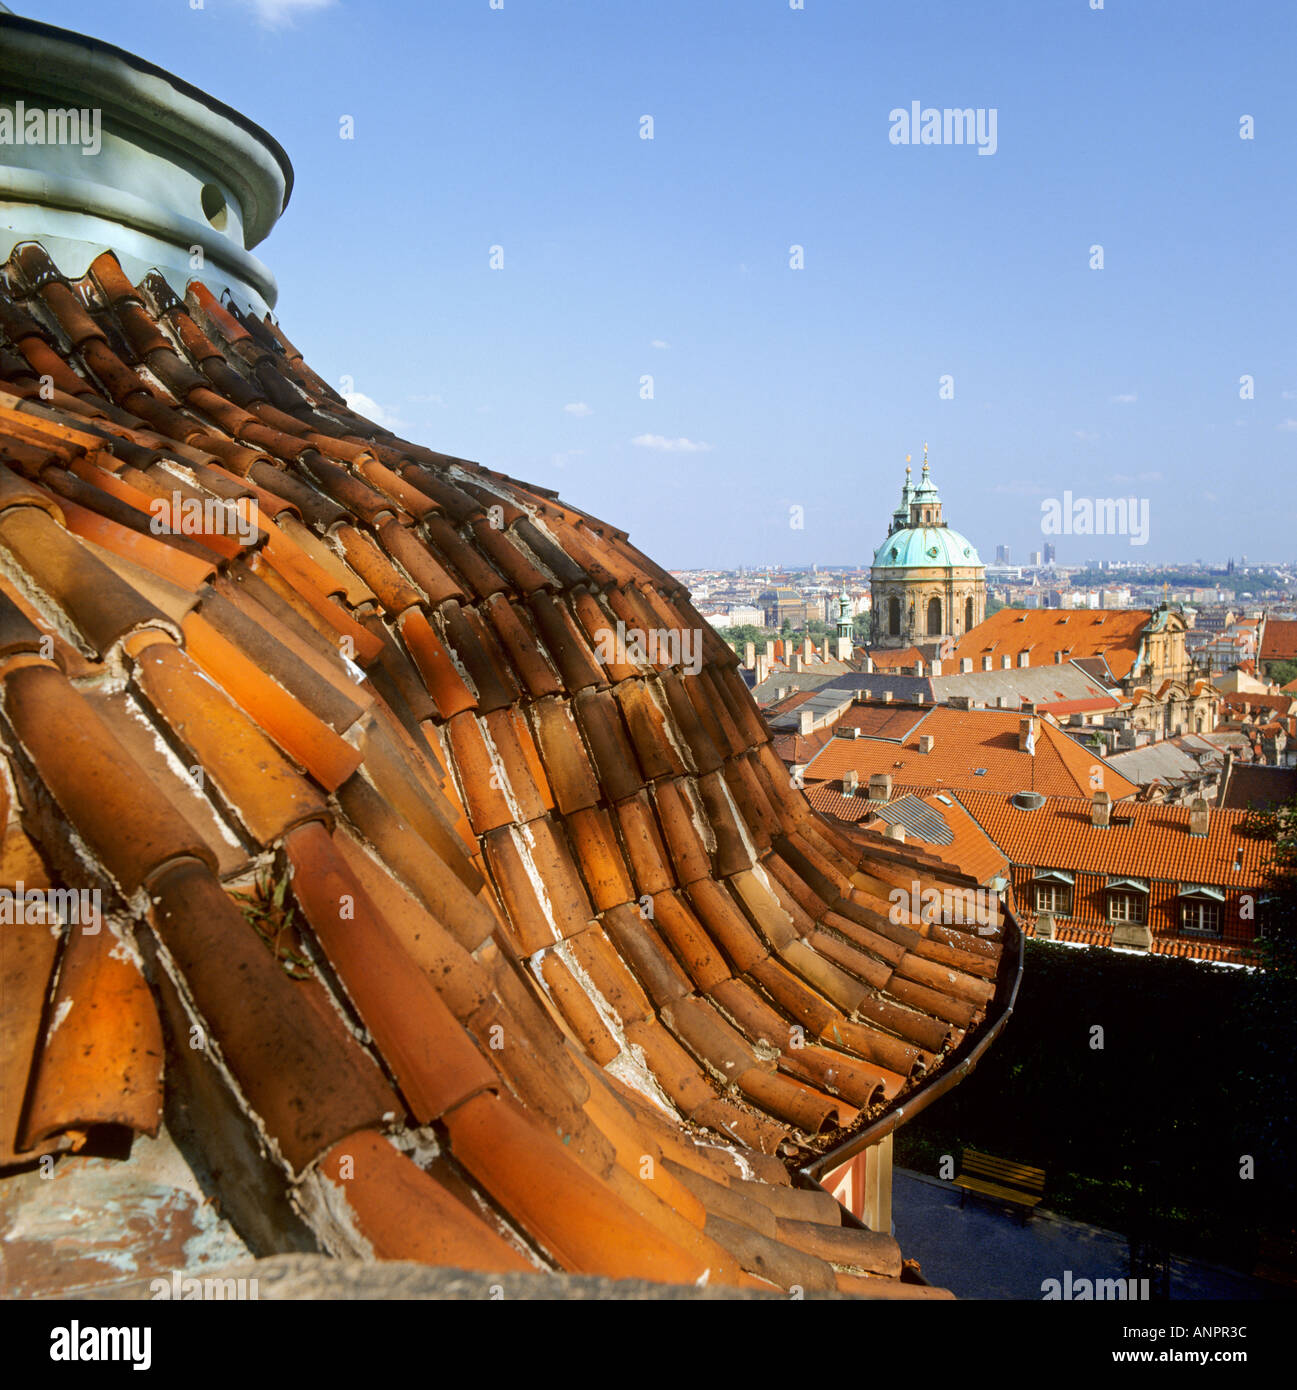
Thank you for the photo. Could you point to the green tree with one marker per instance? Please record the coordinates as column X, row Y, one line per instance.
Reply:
column 1281, row 672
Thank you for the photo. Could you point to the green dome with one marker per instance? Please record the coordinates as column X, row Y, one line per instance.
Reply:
column 916, row 547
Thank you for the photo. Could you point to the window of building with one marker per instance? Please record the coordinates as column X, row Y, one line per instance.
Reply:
column 968, row 614
column 1055, row 898
column 934, row 617
column 894, row 616
column 1125, row 906
column 1199, row 917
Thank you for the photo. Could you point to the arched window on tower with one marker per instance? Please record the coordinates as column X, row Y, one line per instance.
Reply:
column 934, row 617
column 893, row 616
column 968, row 614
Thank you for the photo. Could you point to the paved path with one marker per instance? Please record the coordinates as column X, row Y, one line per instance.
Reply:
column 983, row 1251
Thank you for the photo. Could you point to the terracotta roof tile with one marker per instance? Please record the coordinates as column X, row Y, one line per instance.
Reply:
column 421, row 638
column 282, row 1039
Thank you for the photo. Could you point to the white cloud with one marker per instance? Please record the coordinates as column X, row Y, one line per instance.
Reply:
column 1128, row 399
column 578, row 408
column 1288, row 424
column 669, row 446
column 279, row 14
column 371, row 410
column 658, row 343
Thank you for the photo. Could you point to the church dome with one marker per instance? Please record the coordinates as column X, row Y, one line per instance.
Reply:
column 918, row 537
column 925, row 546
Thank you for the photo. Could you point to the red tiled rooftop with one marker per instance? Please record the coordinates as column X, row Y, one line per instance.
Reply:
column 963, row 741
column 1078, row 633
column 369, row 814
column 1279, row 640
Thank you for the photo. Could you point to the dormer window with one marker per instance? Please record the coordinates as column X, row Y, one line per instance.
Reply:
column 1053, row 892
column 1201, row 910
column 1127, row 900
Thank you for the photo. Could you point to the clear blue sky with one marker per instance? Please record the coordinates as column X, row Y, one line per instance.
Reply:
column 519, row 127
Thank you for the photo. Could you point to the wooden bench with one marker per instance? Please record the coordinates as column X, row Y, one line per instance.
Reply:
column 1015, row 1184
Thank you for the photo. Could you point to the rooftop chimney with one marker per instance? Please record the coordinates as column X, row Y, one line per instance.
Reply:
column 1101, row 810
column 895, row 832
column 887, row 697
column 880, row 786
column 1025, row 727
column 926, row 743
column 850, row 781
column 918, row 667
column 750, row 656
column 141, row 164
column 762, row 668
column 1198, row 816
column 795, row 663
column 808, row 648
column 806, row 721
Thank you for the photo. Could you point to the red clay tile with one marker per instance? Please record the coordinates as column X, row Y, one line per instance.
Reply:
column 307, row 739
column 101, row 1059
column 405, row 1214
column 644, row 845
column 600, row 858
column 491, row 677
column 249, row 773
column 437, row 882
column 573, row 655
column 568, row 1211
column 102, row 607
column 482, row 774
column 563, row 753
column 522, row 647
column 680, row 820
column 577, row 1008
column 726, row 924
column 433, row 1059
column 688, row 939
column 27, row 957
column 94, row 782
column 647, row 954
column 445, row 684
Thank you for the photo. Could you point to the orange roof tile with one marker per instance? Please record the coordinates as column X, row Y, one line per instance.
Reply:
column 549, row 903
column 963, row 741
column 1114, row 635
column 1156, row 842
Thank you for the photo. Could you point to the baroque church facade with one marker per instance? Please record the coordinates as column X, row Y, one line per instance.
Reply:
column 927, row 581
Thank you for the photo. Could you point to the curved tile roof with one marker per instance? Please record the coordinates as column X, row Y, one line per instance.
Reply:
column 511, row 946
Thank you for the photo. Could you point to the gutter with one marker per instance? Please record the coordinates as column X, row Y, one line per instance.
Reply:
column 947, row 1078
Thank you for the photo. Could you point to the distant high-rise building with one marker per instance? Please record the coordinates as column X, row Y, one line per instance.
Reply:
column 1035, row 558
column 1050, row 552
column 1001, row 554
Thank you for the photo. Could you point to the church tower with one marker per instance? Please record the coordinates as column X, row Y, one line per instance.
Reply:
column 927, row 581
